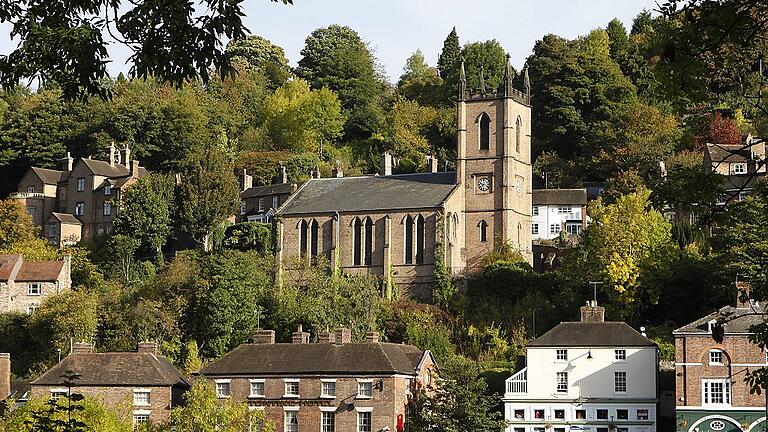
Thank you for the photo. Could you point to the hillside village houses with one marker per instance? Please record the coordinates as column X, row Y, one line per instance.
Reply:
column 591, row 375
column 742, row 165
column 259, row 203
column 391, row 225
column 558, row 210
column 80, row 200
column 25, row 284
column 713, row 355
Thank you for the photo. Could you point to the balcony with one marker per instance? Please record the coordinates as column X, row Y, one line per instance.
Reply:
column 517, row 384
column 27, row 195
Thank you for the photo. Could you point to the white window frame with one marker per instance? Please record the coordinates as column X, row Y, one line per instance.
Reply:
column 561, row 355
column 107, row 189
column 364, row 410
column 144, row 415
column 80, row 209
column 743, row 195
column 616, row 382
column 220, row 394
column 107, row 207
column 81, row 184
column 620, row 355
column 713, row 354
column 706, row 393
column 275, row 202
column 291, row 381
column 555, row 228
column 360, row 384
column 535, row 211
column 142, row 391
column 564, row 209
column 294, row 411
column 261, row 204
column 325, row 411
column 561, row 382
column 535, row 229
column 35, row 289
column 323, row 394
column 646, row 416
column 58, row 392
column 739, row 168
column 251, row 382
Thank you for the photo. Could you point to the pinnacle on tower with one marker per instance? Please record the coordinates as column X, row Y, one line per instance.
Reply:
column 508, row 75
column 482, row 80
column 462, row 81
column 527, row 82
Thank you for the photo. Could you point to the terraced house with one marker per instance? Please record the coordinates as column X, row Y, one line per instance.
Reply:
column 25, row 284
column 334, row 385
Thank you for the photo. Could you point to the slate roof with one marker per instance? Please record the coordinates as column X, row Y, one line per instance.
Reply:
column 48, row 176
column 316, row 359
column 274, row 189
column 730, row 152
column 592, row 334
column 559, row 196
column 737, row 320
column 66, row 218
column 115, row 369
column 351, row 194
column 103, row 168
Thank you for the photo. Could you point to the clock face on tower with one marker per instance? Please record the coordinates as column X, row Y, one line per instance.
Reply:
column 484, row 184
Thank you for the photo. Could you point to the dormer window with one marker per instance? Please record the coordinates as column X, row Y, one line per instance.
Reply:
column 715, row 357
column 739, row 168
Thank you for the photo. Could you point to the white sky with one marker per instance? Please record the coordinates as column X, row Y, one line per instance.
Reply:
column 396, row 28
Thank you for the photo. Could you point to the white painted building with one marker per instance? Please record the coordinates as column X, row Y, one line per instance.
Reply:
column 556, row 210
column 590, row 375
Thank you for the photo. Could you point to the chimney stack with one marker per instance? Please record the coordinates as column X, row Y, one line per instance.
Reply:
column 82, row 348
column 134, row 168
column 316, row 172
column 113, row 155
column 246, row 181
column 326, row 337
column 432, row 163
column 592, row 313
column 372, row 337
column 299, row 336
column 742, row 290
column 126, row 156
column 67, row 162
column 264, row 337
column 147, row 347
column 337, row 171
column 283, row 174
column 343, row 335
column 5, row 376
column 386, row 164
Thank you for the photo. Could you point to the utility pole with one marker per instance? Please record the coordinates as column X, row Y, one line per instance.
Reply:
column 546, row 179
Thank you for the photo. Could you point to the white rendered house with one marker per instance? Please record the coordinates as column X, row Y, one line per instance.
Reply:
column 558, row 210
column 590, row 375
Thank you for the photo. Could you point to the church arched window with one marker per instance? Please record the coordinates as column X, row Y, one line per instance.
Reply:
column 368, row 256
column 483, row 225
column 518, row 134
column 314, row 238
column 485, row 131
column 408, row 234
column 420, row 239
column 362, row 249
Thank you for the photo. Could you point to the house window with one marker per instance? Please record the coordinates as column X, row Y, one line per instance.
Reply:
column 581, row 414
column 561, row 355
column 564, row 209
column 520, row 414
column 534, row 228
column 107, row 209
column 715, row 357
column 573, row 229
column 31, row 210
column 242, row 207
column 716, row 391
column 141, row 397
column 30, row 189
column 620, row 355
column 642, row 414
column 414, row 227
column 602, row 414
column 80, row 184
column 291, row 388
column 328, row 389
column 739, row 168
column 562, row 382
column 620, row 382
column 555, row 228
column 222, row 389
column 261, row 204
column 622, row 414
column 107, row 189
column 34, row 288
column 327, row 421
column 291, row 421
column 57, row 394
column 483, row 231
column 80, row 209
column 365, row 389
column 538, row 414
column 364, row 421
column 275, row 202
column 485, row 132
column 140, row 419
column 535, row 211
column 743, row 195
column 560, row 414
column 257, row 388
column 722, row 198
column 602, row 429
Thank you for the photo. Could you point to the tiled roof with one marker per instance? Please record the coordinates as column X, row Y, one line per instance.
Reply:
column 274, row 189
column 7, row 262
column 737, row 320
column 103, row 168
column 48, row 176
column 404, row 191
column 559, row 196
column 317, row 358
column 117, row 369
column 66, row 218
column 592, row 334
column 731, row 152
column 42, row 271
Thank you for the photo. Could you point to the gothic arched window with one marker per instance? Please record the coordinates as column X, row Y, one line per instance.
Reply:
column 483, row 225
column 362, row 242
column 419, row 239
column 368, row 256
column 485, row 131
column 408, row 239
column 314, row 238
column 519, row 133
column 303, row 238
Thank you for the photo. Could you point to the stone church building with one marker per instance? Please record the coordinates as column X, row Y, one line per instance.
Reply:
column 394, row 226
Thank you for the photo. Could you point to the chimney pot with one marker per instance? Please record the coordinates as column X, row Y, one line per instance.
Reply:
column 82, row 348
column 5, row 376
column 343, row 335
column 264, row 337
column 372, row 337
column 147, row 347
column 592, row 313
column 432, row 163
column 283, row 174
column 386, row 164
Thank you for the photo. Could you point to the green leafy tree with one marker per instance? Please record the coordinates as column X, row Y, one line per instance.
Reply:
column 259, row 53
column 247, row 236
column 460, row 402
column 420, row 82
column 208, row 194
column 15, row 224
column 70, row 315
column 488, row 57
column 145, row 214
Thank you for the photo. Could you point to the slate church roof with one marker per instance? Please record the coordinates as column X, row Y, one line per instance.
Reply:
column 368, row 193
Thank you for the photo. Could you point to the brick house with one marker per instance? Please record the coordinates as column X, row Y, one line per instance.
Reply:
column 333, row 385
column 81, row 199
column 259, row 203
column 711, row 392
column 141, row 384
column 25, row 284
column 397, row 226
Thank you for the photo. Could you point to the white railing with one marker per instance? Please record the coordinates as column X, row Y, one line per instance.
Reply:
column 518, row 383
column 23, row 195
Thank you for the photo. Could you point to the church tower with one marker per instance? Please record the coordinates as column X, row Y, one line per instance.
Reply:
column 494, row 166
